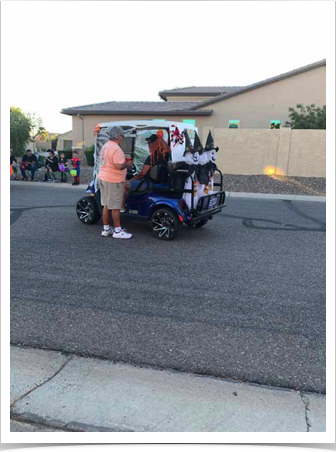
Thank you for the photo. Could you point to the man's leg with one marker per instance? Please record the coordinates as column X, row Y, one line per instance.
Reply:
column 118, row 191
column 23, row 173
column 15, row 171
column 106, row 216
column 116, row 218
column 33, row 169
column 127, row 186
column 107, row 230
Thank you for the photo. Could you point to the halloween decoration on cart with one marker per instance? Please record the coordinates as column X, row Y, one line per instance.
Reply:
column 175, row 190
column 191, row 157
column 211, row 153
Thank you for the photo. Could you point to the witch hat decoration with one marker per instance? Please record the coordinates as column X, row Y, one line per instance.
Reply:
column 197, row 144
column 209, row 145
column 209, row 142
column 188, row 145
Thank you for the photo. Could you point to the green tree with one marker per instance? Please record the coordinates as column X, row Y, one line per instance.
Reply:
column 20, row 129
column 53, row 139
column 307, row 117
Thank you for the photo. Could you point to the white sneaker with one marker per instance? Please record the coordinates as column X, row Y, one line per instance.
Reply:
column 122, row 234
column 107, row 233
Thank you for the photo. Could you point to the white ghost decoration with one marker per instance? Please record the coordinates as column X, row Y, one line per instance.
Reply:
column 195, row 157
column 202, row 159
column 213, row 155
column 191, row 160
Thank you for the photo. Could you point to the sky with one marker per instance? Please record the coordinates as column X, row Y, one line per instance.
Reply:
column 65, row 54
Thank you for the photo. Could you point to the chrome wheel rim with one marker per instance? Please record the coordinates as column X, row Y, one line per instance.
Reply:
column 84, row 211
column 163, row 225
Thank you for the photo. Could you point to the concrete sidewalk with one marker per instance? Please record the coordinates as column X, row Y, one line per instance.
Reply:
column 51, row 391
column 228, row 194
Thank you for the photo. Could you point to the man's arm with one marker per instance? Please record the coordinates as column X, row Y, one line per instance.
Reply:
column 121, row 166
column 143, row 172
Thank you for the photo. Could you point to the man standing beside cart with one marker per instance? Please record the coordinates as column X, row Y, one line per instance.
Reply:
column 111, row 180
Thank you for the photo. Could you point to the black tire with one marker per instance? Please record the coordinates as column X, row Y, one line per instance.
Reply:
column 199, row 224
column 165, row 224
column 87, row 210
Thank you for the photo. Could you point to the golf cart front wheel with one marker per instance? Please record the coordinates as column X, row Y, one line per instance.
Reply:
column 87, row 210
column 165, row 224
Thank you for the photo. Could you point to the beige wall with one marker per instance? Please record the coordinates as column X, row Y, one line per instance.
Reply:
column 61, row 138
column 255, row 151
column 255, row 109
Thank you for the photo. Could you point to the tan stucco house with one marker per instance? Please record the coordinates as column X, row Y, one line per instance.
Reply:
column 248, row 107
column 64, row 141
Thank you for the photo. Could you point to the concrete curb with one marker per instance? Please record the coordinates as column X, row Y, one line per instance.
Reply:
column 48, row 184
column 73, row 393
column 228, row 194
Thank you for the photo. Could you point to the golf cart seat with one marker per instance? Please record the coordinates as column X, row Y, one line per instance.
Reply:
column 178, row 172
column 157, row 175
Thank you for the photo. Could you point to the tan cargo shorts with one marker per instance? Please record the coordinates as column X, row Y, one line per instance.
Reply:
column 111, row 194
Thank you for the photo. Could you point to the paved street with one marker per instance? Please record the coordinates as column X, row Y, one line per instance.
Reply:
column 242, row 298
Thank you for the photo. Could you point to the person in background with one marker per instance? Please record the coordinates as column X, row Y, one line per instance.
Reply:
column 63, row 161
column 51, row 166
column 13, row 162
column 28, row 163
column 111, row 180
column 75, row 161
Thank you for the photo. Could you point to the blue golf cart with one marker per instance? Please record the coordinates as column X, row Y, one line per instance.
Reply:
column 171, row 194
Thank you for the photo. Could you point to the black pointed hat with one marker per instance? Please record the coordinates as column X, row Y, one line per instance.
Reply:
column 188, row 146
column 198, row 145
column 209, row 145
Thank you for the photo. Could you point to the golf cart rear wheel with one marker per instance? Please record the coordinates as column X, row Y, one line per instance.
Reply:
column 87, row 210
column 165, row 224
column 200, row 223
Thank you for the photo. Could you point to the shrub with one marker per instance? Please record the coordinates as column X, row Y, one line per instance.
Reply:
column 307, row 117
column 89, row 153
column 67, row 153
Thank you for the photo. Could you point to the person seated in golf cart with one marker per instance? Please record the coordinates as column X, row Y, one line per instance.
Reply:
column 159, row 152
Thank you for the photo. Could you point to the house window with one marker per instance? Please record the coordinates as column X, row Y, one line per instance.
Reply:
column 234, row 124
column 67, row 144
column 275, row 124
column 190, row 121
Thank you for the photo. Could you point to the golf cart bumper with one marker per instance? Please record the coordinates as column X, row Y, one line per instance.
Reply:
column 208, row 206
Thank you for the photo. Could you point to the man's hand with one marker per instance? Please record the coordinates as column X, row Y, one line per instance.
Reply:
column 122, row 166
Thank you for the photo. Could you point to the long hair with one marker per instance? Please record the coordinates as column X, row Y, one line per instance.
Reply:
column 159, row 147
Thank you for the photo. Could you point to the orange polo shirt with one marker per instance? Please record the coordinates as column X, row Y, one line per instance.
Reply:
column 110, row 154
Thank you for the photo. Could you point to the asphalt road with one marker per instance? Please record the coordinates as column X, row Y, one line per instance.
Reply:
column 242, row 298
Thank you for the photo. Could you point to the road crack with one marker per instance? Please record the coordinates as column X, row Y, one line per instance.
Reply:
column 43, row 383
column 305, row 401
